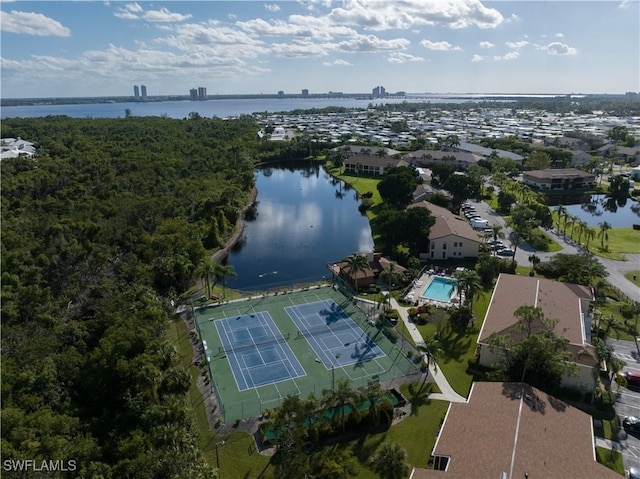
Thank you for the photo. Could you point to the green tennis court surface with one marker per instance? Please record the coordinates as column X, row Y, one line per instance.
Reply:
column 260, row 350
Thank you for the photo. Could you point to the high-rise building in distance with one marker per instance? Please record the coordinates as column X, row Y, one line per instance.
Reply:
column 143, row 92
column 379, row 91
column 136, row 93
column 202, row 93
column 305, row 92
column 193, row 94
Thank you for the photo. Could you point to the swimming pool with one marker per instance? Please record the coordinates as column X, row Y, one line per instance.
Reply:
column 440, row 289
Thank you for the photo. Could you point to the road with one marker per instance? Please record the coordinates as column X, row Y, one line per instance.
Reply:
column 628, row 402
column 616, row 269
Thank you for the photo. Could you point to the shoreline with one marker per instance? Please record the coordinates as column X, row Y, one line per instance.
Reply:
column 223, row 252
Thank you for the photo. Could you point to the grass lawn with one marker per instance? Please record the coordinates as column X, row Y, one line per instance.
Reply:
column 616, row 328
column 459, row 349
column 611, row 459
column 621, row 241
column 634, row 277
column 417, row 433
column 237, row 457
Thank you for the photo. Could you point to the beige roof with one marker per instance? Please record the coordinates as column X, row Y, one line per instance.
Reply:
column 447, row 224
column 558, row 301
column 514, row 429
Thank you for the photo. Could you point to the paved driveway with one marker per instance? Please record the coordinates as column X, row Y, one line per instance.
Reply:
column 616, row 269
column 628, row 401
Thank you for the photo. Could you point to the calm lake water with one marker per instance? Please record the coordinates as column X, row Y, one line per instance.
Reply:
column 304, row 219
column 600, row 208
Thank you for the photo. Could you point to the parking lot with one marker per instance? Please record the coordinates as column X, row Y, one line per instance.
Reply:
column 628, row 402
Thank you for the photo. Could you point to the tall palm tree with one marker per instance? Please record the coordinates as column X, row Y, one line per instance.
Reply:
column 391, row 274
column 496, row 231
column 205, row 270
column 590, row 234
column 431, row 349
column 356, row 263
column 582, row 226
column 516, row 240
column 534, row 260
column 340, row 396
column 374, row 394
column 571, row 221
column 221, row 273
column 603, row 235
column 469, row 283
column 561, row 212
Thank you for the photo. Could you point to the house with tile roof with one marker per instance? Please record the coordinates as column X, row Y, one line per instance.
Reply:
column 450, row 237
column 512, row 430
column 558, row 179
column 564, row 302
column 371, row 165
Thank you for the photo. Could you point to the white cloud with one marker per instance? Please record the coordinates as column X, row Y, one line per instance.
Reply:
column 164, row 15
column 272, row 7
column 371, row 43
column 377, row 15
column 439, row 46
column 30, row 23
column 624, row 3
column 301, row 49
column 133, row 11
column 399, row 57
column 508, row 56
column 557, row 48
column 517, row 45
column 486, row 45
column 477, row 58
column 559, row 35
column 339, row 62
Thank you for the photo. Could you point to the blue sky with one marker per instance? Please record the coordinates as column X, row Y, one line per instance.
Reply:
column 92, row 48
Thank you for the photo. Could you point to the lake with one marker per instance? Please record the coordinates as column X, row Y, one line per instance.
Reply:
column 303, row 220
column 599, row 208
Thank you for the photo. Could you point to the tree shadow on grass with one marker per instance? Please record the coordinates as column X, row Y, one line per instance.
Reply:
column 419, row 396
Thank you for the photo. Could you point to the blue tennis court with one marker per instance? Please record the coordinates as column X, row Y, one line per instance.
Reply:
column 257, row 352
column 333, row 334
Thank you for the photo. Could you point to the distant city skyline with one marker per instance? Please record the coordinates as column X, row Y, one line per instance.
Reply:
column 80, row 49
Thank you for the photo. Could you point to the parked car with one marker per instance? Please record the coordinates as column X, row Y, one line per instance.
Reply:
column 632, row 377
column 633, row 473
column 631, row 424
column 505, row 252
column 498, row 247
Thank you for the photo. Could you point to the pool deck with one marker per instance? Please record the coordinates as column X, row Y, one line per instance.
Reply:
column 421, row 284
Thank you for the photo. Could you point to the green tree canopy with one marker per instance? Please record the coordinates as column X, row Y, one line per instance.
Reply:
column 397, row 186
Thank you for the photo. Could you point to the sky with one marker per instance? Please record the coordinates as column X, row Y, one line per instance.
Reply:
column 104, row 48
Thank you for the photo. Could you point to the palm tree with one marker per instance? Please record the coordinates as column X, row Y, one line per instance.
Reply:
column 340, row 396
column 534, row 260
column 374, row 394
column 561, row 211
column 356, row 263
column 582, row 226
column 391, row 274
column 221, row 273
column 570, row 221
column 469, row 283
column 390, row 461
column 516, row 240
column 496, row 231
column 431, row 350
column 603, row 235
column 527, row 316
column 589, row 233
column 206, row 269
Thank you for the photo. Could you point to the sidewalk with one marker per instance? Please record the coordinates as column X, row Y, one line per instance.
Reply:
column 447, row 392
column 608, row 444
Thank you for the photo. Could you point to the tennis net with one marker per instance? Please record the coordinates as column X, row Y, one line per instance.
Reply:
column 253, row 343
column 332, row 327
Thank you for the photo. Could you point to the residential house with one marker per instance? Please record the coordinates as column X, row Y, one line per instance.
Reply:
column 457, row 159
column 450, row 237
column 15, row 147
column 376, row 263
column 512, row 430
column 580, row 158
column 558, row 179
column 371, row 165
column 565, row 302
column 483, row 152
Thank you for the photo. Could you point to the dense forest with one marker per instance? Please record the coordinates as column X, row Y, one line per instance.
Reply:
column 100, row 231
